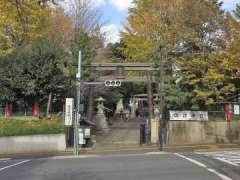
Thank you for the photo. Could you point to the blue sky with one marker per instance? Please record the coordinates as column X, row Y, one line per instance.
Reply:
column 115, row 13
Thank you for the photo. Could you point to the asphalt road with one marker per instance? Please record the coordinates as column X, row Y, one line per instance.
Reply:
column 150, row 166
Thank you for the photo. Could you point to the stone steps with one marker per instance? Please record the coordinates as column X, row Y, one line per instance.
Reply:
column 123, row 135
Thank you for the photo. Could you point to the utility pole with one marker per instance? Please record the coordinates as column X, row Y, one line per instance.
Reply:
column 161, row 98
column 150, row 98
column 77, row 111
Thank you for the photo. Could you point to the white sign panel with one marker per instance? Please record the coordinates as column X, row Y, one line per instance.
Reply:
column 236, row 110
column 87, row 132
column 81, row 139
column 69, row 111
column 188, row 116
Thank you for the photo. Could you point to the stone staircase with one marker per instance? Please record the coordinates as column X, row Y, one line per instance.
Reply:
column 122, row 135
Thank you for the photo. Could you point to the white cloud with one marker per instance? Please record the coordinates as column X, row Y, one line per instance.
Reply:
column 112, row 33
column 93, row 3
column 99, row 2
column 122, row 5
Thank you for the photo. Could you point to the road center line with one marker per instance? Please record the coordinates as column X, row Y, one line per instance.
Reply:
column 222, row 176
column 16, row 164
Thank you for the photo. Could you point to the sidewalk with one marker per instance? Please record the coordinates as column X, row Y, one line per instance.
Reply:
column 203, row 148
column 155, row 148
column 130, row 150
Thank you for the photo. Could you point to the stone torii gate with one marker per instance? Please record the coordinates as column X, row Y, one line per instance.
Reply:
column 119, row 71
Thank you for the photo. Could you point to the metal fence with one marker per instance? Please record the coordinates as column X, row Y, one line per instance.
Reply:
column 220, row 116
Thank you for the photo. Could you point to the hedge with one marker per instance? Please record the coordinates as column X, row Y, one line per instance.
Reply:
column 12, row 127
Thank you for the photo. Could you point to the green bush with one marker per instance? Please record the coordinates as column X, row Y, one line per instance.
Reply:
column 11, row 127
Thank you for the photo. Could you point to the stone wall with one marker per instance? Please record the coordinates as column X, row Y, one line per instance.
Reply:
column 32, row 144
column 194, row 132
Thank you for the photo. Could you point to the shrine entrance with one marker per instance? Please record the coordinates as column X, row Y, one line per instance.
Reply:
column 124, row 126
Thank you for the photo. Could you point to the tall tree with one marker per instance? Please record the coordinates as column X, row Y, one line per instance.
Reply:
column 60, row 28
column 86, row 15
column 33, row 72
column 21, row 22
column 185, row 34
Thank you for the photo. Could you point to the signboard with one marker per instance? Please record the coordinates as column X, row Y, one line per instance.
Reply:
column 69, row 106
column 87, row 132
column 81, row 136
column 188, row 116
column 236, row 110
column 113, row 83
column 81, row 139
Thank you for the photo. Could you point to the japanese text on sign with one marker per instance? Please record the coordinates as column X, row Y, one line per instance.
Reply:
column 188, row 116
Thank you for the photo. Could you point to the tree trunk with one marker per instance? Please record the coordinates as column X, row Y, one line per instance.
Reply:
column 150, row 97
column 90, row 103
column 49, row 104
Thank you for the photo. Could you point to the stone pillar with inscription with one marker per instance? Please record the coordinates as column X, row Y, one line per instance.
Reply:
column 155, row 123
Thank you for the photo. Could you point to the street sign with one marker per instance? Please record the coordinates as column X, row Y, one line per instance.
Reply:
column 81, row 140
column 188, row 116
column 87, row 132
column 69, row 106
column 113, row 83
column 236, row 110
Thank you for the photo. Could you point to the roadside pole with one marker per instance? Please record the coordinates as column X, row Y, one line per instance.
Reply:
column 161, row 103
column 77, row 111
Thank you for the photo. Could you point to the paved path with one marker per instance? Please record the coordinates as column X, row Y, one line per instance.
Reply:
column 148, row 166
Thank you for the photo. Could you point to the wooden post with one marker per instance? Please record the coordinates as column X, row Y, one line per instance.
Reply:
column 150, row 97
column 90, row 102
column 49, row 104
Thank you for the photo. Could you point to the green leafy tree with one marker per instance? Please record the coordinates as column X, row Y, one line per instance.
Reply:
column 32, row 72
column 116, row 51
column 83, row 43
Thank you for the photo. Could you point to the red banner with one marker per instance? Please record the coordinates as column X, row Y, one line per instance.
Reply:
column 36, row 109
column 229, row 112
column 8, row 110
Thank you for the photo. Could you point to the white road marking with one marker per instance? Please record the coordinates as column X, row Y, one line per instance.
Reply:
column 73, row 157
column 4, row 160
column 226, row 161
column 155, row 153
column 191, row 160
column 232, row 158
column 222, row 176
column 16, row 164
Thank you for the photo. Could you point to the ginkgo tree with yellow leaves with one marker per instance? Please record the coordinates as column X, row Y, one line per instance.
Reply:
column 21, row 22
column 192, row 36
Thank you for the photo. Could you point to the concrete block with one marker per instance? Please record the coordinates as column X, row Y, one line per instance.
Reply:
column 32, row 144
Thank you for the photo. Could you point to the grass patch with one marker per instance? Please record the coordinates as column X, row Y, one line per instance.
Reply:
column 13, row 127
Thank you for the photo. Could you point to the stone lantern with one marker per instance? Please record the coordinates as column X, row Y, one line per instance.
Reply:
column 101, row 122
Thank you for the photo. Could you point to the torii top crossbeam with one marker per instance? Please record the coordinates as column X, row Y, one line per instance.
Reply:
column 126, row 66
column 120, row 69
